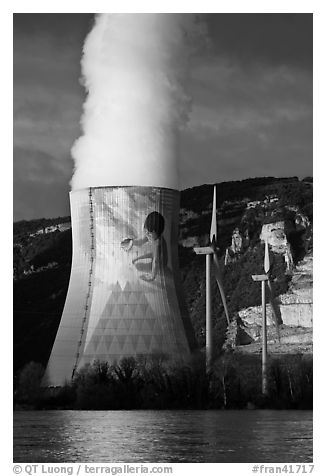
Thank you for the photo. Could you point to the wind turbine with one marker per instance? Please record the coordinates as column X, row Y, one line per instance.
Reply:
column 209, row 251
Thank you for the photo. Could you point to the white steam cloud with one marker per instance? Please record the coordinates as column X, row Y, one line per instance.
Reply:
column 134, row 69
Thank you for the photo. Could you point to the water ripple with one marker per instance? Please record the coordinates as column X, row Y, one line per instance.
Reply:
column 163, row 436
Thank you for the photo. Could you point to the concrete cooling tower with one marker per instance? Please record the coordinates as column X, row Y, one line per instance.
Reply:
column 124, row 296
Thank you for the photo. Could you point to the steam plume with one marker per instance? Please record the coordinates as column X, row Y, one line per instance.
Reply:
column 134, row 68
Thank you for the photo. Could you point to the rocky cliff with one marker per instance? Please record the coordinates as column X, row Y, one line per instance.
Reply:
column 294, row 333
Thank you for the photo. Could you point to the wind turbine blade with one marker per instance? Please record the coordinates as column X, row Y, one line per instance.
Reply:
column 213, row 233
column 266, row 260
column 276, row 313
column 218, row 277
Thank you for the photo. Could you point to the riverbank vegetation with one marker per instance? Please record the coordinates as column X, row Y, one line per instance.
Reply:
column 233, row 383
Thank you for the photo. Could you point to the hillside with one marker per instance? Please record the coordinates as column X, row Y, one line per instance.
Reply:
column 294, row 334
column 42, row 257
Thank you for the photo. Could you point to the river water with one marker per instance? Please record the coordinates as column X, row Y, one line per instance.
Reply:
column 239, row 436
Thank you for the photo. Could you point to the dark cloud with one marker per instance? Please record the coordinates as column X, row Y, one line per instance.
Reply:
column 248, row 122
column 63, row 27
column 40, row 184
column 243, row 154
column 47, row 107
column 284, row 38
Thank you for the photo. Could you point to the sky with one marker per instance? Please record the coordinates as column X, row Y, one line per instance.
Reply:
column 251, row 104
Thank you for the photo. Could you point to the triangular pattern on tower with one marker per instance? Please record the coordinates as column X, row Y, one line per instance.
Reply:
column 117, row 332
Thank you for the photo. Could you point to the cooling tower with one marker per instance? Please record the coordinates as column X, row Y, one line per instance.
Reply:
column 124, row 296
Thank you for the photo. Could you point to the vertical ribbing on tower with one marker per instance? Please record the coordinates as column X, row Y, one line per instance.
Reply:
column 88, row 295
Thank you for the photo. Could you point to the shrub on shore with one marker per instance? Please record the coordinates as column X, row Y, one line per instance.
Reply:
column 233, row 382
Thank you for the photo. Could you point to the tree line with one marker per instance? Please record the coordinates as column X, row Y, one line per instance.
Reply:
column 234, row 382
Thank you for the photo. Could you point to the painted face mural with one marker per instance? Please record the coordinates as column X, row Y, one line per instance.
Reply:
column 154, row 256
